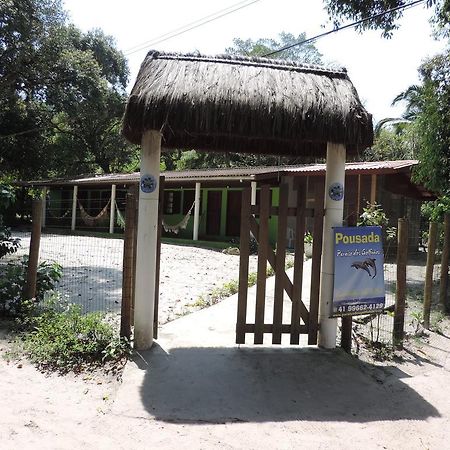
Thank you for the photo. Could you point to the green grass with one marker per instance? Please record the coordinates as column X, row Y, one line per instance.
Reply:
column 212, row 245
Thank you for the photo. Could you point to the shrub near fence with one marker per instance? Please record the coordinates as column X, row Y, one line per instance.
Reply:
column 91, row 268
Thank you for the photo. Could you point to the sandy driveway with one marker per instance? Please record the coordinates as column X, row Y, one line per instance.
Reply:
column 200, row 396
column 92, row 272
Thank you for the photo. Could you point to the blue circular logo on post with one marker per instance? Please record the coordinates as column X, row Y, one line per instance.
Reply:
column 336, row 192
column 148, row 183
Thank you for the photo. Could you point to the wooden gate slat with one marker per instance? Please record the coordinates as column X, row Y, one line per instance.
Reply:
column 268, row 328
column 244, row 243
column 299, row 247
column 315, row 268
column 263, row 247
column 280, row 264
column 288, row 287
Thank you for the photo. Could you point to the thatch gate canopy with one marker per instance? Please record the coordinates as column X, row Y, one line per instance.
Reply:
column 240, row 104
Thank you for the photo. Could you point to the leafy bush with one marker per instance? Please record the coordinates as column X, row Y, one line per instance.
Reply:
column 69, row 340
column 13, row 281
column 8, row 244
column 373, row 214
column 434, row 211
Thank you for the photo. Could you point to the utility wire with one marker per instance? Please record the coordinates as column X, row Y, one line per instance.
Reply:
column 191, row 26
column 350, row 25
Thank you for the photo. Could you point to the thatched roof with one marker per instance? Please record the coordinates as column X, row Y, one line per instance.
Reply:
column 239, row 104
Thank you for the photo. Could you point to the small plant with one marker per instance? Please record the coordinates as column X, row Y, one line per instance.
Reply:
column 373, row 214
column 308, row 239
column 71, row 341
column 253, row 246
column 13, row 281
column 416, row 320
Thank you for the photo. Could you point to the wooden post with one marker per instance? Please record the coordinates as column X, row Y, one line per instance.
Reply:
column 196, row 212
column 147, row 238
column 128, row 267
column 44, row 206
column 263, row 238
column 74, row 207
column 358, row 198
column 373, row 189
column 334, row 213
column 112, row 209
column 443, row 285
column 400, row 295
column 428, row 290
column 244, row 243
column 33, row 260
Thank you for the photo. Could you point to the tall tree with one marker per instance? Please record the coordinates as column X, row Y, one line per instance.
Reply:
column 62, row 94
column 355, row 10
column 433, row 122
column 306, row 53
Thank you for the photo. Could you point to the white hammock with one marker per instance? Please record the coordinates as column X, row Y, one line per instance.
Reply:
column 180, row 225
column 91, row 220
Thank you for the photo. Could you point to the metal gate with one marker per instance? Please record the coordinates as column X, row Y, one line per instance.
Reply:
column 255, row 221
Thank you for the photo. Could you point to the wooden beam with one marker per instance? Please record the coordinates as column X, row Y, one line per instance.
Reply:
column 280, row 262
column 244, row 251
column 299, row 250
column 263, row 247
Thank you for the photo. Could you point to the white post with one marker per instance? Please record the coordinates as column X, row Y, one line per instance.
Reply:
column 112, row 209
column 74, row 207
column 253, row 193
column 196, row 212
column 44, row 206
column 334, row 213
column 146, row 240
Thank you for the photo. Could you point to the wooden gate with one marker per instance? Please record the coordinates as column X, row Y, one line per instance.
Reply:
column 255, row 221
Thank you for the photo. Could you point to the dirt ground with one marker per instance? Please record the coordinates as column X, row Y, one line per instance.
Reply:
column 200, row 394
column 92, row 272
column 401, row 404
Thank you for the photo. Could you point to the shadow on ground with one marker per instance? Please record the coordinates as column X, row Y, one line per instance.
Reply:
column 94, row 287
column 220, row 385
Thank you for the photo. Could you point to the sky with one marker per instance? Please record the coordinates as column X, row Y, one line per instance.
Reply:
column 379, row 68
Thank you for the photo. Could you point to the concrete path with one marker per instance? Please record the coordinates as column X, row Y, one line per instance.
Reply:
column 197, row 389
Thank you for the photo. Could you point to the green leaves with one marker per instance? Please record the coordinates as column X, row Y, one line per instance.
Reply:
column 62, row 94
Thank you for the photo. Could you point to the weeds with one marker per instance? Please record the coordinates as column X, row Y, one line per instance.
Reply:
column 67, row 340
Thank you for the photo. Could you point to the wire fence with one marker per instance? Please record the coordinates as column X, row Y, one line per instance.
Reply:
column 377, row 330
column 93, row 210
column 91, row 268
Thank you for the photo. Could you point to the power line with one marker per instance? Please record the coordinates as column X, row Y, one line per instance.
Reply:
column 191, row 26
column 350, row 25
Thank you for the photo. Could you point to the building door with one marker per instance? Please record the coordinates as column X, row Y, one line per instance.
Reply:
column 213, row 213
column 234, row 213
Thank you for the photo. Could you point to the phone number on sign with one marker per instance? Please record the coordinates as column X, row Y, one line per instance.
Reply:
column 361, row 308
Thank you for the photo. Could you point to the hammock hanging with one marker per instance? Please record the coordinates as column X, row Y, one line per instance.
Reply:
column 54, row 216
column 91, row 220
column 179, row 226
column 120, row 220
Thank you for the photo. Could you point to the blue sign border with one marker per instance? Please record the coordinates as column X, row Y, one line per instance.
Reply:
column 358, row 271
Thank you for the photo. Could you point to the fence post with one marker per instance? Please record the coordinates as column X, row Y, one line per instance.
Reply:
column 33, row 259
column 443, row 285
column 400, row 295
column 128, row 266
column 428, row 290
